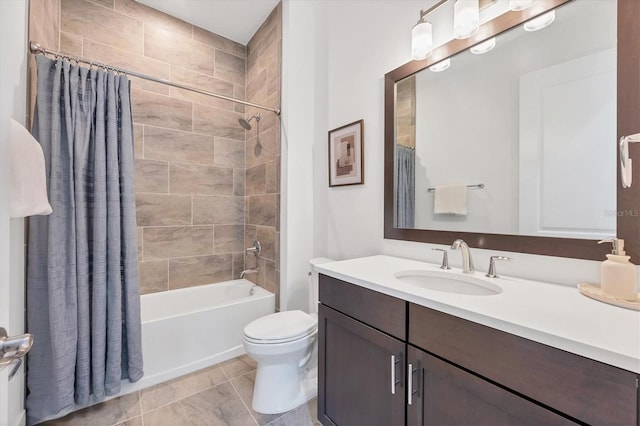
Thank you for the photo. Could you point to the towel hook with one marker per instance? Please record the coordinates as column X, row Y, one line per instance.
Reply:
column 625, row 160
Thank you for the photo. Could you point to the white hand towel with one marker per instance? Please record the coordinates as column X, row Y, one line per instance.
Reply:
column 28, row 183
column 450, row 199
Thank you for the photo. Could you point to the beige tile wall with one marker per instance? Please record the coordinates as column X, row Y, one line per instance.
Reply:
column 205, row 188
column 262, row 180
column 44, row 27
column 406, row 112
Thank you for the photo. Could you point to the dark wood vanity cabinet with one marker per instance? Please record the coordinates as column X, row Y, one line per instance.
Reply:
column 357, row 373
column 450, row 371
column 360, row 368
column 578, row 387
column 445, row 395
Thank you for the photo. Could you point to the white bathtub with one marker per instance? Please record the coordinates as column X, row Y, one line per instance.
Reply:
column 192, row 328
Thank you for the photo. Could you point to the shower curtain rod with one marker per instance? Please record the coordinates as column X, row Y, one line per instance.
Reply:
column 36, row 48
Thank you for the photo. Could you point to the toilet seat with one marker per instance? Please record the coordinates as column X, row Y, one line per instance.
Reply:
column 281, row 327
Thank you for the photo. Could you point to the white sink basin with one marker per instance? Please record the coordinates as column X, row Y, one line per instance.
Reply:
column 449, row 282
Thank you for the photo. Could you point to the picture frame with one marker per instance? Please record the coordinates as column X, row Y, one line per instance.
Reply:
column 346, row 155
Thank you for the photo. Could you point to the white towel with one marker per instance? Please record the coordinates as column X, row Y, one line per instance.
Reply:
column 450, row 199
column 28, row 183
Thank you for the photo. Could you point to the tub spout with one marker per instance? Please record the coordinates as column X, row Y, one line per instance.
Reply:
column 249, row 271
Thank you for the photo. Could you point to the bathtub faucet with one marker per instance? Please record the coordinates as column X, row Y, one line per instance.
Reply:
column 256, row 248
column 249, row 271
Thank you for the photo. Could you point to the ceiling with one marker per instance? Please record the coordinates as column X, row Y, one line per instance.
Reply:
column 237, row 20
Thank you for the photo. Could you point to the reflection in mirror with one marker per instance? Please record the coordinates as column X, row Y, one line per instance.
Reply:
column 532, row 119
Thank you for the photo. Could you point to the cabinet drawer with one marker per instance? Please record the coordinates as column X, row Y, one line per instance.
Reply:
column 449, row 396
column 378, row 310
column 587, row 390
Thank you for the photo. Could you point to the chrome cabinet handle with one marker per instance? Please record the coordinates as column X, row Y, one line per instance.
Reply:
column 410, row 385
column 410, row 391
column 394, row 382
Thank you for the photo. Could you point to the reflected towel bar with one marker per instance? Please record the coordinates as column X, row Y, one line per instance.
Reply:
column 476, row 186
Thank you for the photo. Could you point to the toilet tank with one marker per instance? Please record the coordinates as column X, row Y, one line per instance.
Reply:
column 313, row 282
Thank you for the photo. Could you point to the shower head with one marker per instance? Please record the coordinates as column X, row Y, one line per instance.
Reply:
column 245, row 123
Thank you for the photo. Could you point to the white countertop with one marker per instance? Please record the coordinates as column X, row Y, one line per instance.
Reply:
column 551, row 314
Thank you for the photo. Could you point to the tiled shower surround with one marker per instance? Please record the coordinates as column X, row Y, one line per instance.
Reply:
column 262, row 185
column 195, row 213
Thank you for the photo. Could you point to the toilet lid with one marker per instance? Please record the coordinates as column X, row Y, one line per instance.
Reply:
column 281, row 326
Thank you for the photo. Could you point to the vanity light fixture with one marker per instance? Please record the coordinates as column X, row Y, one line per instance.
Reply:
column 466, row 22
column 421, row 40
column 518, row 5
column 441, row 66
column 422, row 35
column 540, row 22
column 466, row 18
column 483, row 47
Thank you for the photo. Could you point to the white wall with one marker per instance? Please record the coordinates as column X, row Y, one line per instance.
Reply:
column 303, row 124
column 309, row 55
column 365, row 41
column 13, row 96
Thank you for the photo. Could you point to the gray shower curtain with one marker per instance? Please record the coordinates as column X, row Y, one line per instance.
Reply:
column 83, row 302
column 405, row 186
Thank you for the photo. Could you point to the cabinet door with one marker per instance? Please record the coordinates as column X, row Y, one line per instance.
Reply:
column 359, row 383
column 443, row 395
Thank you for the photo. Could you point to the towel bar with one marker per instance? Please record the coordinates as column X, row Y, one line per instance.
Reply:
column 625, row 161
column 476, row 186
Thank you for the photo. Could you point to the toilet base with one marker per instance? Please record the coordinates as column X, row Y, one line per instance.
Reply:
column 280, row 388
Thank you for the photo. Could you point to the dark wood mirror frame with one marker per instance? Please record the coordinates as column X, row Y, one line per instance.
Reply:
column 628, row 117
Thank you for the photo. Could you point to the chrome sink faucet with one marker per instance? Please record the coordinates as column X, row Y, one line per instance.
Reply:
column 467, row 261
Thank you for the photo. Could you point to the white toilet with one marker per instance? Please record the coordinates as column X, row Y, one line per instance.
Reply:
column 284, row 345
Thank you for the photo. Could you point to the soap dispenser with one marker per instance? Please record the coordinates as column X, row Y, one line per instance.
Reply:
column 618, row 275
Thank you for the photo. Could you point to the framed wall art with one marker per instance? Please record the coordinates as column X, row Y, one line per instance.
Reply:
column 346, row 154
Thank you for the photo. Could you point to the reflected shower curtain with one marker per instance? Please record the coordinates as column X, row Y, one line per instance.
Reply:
column 83, row 303
column 405, row 186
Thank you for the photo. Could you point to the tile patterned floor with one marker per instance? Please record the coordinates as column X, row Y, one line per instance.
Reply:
column 218, row 395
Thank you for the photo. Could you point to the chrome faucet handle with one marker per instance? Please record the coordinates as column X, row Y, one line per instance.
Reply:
column 256, row 248
column 492, row 266
column 445, row 258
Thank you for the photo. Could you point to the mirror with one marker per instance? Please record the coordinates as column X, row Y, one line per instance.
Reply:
column 538, row 111
column 529, row 127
